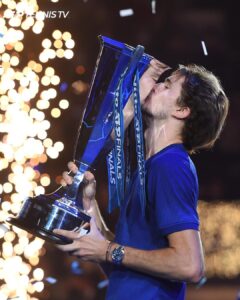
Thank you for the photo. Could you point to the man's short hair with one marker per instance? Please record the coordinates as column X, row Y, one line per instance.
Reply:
column 203, row 94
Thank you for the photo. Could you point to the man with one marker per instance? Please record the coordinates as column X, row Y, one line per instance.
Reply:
column 153, row 255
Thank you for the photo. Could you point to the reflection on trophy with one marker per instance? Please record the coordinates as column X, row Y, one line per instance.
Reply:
column 115, row 68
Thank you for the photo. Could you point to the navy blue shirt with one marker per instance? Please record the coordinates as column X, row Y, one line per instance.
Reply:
column 172, row 194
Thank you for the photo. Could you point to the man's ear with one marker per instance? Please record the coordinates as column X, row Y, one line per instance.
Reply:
column 182, row 112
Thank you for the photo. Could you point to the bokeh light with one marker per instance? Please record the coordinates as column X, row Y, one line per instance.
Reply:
column 27, row 90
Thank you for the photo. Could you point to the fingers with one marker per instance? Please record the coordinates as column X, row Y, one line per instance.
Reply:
column 156, row 68
column 158, row 64
column 89, row 189
column 72, row 167
column 66, row 177
column 93, row 225
column 72, row 235
column 89, row 177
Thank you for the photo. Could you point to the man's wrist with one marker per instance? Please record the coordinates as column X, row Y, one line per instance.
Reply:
column 115, row 253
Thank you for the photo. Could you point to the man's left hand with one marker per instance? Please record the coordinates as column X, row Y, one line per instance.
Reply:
column 90, row 247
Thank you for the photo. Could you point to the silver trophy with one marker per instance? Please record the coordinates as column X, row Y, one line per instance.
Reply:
column 63, row 209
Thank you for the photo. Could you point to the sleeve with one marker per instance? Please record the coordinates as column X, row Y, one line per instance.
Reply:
column 173, row 194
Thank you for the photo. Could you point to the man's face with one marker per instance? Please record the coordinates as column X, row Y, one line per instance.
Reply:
column 161, row 103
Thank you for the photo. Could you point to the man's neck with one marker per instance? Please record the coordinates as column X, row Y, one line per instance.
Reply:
column 159, row 136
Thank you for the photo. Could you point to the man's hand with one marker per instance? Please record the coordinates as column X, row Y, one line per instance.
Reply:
column 150, row 77
column 89, row 188
column 90, row 247
column 88, row 198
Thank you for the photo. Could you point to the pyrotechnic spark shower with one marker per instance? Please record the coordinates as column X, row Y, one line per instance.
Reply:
column 26, row 92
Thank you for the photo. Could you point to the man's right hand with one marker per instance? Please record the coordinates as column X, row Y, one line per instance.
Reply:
column 89, row 202
column 150, row 77
column 89, row 186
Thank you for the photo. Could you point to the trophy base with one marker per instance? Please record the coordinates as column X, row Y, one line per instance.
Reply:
column 46, row 235
column 41, row 215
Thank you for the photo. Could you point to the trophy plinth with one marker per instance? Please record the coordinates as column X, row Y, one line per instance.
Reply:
column 42, row 214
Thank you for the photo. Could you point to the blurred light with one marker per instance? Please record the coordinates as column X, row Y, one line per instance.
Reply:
column 55, row 80
column 45, row 80
column 79, row 87
column 24, row 93
column 47, row 142
column 56, row 112
column 38, row 26
column 52, row 152
column 9, row 236
column 19, row 46
column 58, row 44
column 80, row 70
column 49, row 71
column 64, row 104
column 66, row 36
column 70, row 43
column 60, row 53
column 39, row 190
column 39, row 286
column 38, row 274
column 76, row 268
column 63, row 87
column 68, row 54
column 59, row 146
column 45, row 180
column 34, row 260
column 7, row 187
column 46, row 43
column 6, row 206
column 56, row 34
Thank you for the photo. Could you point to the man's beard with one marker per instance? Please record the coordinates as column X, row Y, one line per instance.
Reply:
column 149, row 116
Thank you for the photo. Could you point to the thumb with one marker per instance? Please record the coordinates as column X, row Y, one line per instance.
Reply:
column 93, row 225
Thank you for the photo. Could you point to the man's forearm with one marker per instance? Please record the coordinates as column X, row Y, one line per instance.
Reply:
column 181, row 260
column 165, row 263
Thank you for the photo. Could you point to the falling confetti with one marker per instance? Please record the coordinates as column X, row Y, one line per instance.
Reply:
column 153, row 4
column 50, row 280
column 1, row 35
column 76, row 268
column 126, row 12
column 204, row 48
column 103, row 284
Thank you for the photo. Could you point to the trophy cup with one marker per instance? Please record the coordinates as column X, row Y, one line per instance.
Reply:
column 62, row 209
